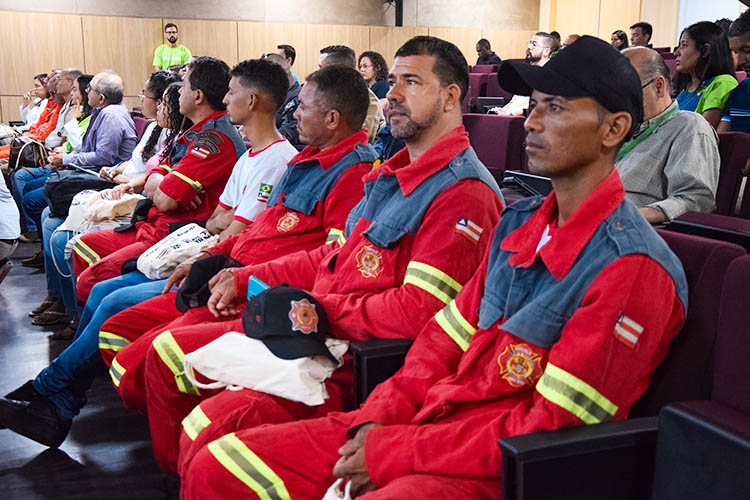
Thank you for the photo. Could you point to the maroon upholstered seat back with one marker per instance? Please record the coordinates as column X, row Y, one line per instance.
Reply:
column 141, row 124
column 734, row 149
column 484, row 68
column 732, row 355
column 495, row 90
column 498, row 141
column 686, row 372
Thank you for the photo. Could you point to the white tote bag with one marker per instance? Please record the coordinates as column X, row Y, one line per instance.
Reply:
column 336, row 493
column 160, row 260
column 235, row 360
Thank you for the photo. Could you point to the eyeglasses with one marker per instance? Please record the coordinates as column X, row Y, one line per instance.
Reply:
column 170, row 32
column 649, row 82
column 142, row 95
column 89, row 88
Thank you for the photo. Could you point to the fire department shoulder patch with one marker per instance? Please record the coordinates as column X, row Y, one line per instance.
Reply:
column 520, row 365
column 287, row 222
column 369, row 262
column 303, row 316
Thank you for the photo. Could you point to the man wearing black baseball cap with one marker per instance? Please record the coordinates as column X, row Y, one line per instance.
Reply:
column 572, row 309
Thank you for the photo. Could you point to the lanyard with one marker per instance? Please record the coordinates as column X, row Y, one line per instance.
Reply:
column 632, row 143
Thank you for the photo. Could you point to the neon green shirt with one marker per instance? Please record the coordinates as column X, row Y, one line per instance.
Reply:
column 166, row 56
column 717, row 92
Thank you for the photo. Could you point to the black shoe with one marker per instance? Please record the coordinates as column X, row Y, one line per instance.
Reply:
column 27, row 392
column 36, row 260
column 37, row 420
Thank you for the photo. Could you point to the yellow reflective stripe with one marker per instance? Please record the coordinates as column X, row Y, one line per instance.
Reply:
column 172, row 356
column 195, row 422
column 111, row 342
column 195, row 184
column 574, row 395
column 432, row 280
column 334, row 235
column 246, row 466
column 85, row 252
column 455, row 325
column 116, row 371
column 166, row 167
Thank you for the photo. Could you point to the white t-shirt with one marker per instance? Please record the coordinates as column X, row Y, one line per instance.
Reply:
column 253, row 178
column 10, row 228
column 136, row 166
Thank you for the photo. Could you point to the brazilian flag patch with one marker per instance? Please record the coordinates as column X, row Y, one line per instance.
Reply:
column 264, row 192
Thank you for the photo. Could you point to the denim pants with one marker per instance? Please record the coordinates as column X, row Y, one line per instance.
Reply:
column 23, row 181
column 57, row 269
column 66, row 380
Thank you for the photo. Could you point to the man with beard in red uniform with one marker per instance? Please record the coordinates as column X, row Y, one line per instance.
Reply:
column 570, row 312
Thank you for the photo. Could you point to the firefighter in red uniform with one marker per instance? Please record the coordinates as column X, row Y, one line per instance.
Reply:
column 187, row 191
column 409, row 246
column 571, row 311
column 308, row 208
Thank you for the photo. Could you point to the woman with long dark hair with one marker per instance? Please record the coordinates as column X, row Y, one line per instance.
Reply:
column 75, row 129
column 705, row 71
column 620, row 40
column 374, row 70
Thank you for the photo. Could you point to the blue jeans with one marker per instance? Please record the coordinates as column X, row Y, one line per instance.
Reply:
column 66, row 380
column 57, row 269
column 23, row 181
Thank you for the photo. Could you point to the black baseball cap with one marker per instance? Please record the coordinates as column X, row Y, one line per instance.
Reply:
column 590, row 67
column 289, row 321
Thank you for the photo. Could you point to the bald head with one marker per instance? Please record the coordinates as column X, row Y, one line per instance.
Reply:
column 570, row 39
column 109, row 85
column 654, row 75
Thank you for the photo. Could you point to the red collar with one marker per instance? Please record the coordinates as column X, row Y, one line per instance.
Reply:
column 332, row 154
column 251, row 153
column 411, row 175
column 198, row 126
column 570, row 238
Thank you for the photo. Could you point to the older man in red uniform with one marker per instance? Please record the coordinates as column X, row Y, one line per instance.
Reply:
column 571, row 311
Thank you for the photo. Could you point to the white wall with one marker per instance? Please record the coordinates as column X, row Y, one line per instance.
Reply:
column 692, row 11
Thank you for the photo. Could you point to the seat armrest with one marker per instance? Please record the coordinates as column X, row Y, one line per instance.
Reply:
column 374, row 361
column 613, row 460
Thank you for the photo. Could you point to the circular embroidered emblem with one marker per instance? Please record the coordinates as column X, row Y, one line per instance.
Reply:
column 303, row 316
column 519, row 365
column 369, row 262
column 287, row 222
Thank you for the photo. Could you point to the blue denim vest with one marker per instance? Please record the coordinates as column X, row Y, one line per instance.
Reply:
column 537, row 306
column 392, row 215
column 304, row 184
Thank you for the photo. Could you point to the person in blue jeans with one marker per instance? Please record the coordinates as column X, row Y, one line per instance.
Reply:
column 24, row 180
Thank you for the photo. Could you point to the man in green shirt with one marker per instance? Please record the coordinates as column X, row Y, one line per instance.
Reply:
column 170, row 53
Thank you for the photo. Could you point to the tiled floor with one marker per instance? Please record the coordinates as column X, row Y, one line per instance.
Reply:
column 107, row 454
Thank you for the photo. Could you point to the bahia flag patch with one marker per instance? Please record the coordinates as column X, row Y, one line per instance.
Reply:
column 627, row 331
column 201, row 152
column 469, row 229
column 264, row 192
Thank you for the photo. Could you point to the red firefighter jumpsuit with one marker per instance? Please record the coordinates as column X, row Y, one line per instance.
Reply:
column 277, row 231
column 366, row 290
column 204, row 170
column 464, row 387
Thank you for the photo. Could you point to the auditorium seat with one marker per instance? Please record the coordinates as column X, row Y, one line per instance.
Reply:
column 667, row 56
column 484, row 68
column 703, row 447
column 734, row 149
column 714, row 226
column 615, row 459
column 141, row 124
column 672, row 65
column 663, row 50
column 495, row 90
column 498, row 141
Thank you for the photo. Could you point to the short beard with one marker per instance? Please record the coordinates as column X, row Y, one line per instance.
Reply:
column 412, row 130
column 531, row 59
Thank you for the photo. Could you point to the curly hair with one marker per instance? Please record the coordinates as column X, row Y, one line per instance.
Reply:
column 156, row 84
column 378, row 64
column 177, row 122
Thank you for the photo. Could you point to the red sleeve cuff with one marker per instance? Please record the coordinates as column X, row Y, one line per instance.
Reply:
column 388, row 453
column 242, row 219
column 224, row 206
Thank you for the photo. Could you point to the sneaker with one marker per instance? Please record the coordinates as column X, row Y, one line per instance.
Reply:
column 5, row 269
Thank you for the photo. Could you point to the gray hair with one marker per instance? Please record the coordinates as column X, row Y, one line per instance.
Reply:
column 110, row 86
column 278, row 59
column 652, row 66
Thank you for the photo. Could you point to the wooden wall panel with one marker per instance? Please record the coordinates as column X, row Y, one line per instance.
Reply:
column 508, row 44
column 464, row 38
column 577, row 16
column 9, row 108
column 318, row 36
column 387, row 40
column 123, row 44
column 131, row 102
column 618, row 15
column 664, row 16
column 209, row 38
column 32, row 43
column 257, row 38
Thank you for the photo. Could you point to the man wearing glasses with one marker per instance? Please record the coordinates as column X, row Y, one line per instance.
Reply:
column 170, row 53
